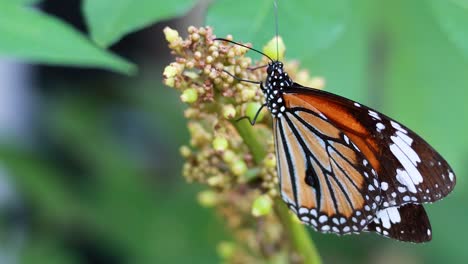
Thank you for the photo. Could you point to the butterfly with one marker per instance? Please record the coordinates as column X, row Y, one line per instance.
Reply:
column 345, row 168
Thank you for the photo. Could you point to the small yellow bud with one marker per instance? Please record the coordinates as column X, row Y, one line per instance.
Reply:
column 262, row 206
column 247, row 94
column 202, row 31
column 215, row 181
column 229, row 112
column 228, row 156
column 271, row 50
column 207, row 198
column 189, row 96
column 169, row 82
column 195, row 36
column 220, row 144
column 185, row 151
column 270, row 161
column 171, row 34
column 226, row 249
column 191, row 29
column 239, row 168
column 170, row 71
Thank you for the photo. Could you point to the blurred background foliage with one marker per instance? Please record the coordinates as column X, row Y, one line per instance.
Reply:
column 89, row 162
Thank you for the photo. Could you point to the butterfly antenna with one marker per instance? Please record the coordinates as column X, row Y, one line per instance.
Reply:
column 245, row 46
column 276, row 28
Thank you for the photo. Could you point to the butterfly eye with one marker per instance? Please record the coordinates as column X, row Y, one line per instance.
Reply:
column 269, row 68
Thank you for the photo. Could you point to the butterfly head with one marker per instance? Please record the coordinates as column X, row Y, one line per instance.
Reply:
column 276, row 83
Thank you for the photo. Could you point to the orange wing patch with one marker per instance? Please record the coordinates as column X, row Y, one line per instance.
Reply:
column 343, row 120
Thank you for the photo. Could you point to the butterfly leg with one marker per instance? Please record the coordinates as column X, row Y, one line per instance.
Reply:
column 240, row 79
column 256, row 68
column 252, row 122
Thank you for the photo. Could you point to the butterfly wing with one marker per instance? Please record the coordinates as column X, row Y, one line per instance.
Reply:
column 409, row 169
column 324, row 178
column 408, row 223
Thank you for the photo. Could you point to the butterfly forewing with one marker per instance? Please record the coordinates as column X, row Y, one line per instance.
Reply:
column 409, row 170
column 324, row 178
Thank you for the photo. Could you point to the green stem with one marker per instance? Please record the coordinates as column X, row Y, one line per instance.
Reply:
column 251, row 139
column 300, row 239
column 299, row 236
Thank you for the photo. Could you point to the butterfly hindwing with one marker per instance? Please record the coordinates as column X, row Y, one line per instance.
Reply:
column 408, row 223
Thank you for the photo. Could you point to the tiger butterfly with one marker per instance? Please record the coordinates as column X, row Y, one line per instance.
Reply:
column 345, row 168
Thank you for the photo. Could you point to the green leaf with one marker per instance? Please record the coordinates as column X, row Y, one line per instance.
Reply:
column 109, row 20
column 24, row 2
column 307, row 27
column 29, row 34
column 452, row 16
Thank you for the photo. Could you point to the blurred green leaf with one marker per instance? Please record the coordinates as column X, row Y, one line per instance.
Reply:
column 24, row 2
column 452, row 16
column 307, row 27
column 46, row 250
column 110, row 20
column 31, row 35
column 41, row 182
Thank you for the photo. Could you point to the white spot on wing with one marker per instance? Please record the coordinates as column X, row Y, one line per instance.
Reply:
column 389, row 216
column 380, row 127
column 384, row 186
column 409, row 166
column 451, row 176
column 398, row 127
column 401, row 143
column 374, row 114
column 403, row 177
column 404, row 137
column 323, row 219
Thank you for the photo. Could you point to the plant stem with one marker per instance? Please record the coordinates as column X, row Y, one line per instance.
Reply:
column 251, row 139
column 299, row 236
column 300, row 239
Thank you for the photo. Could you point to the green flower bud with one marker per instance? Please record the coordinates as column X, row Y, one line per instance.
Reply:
column 229, row 156
column 247, row 94
column 270, row 161
column 185, row 151
column 170, row 71
column 262, row 206
column 169, row 82
column 189, row 96
column 171, row 34
column 226, row 249
column 239, row 168
column 207, row 198
column 252, row 109
column 270, row 48
column 220, row 143
column 215, row 181
column 229, row 112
